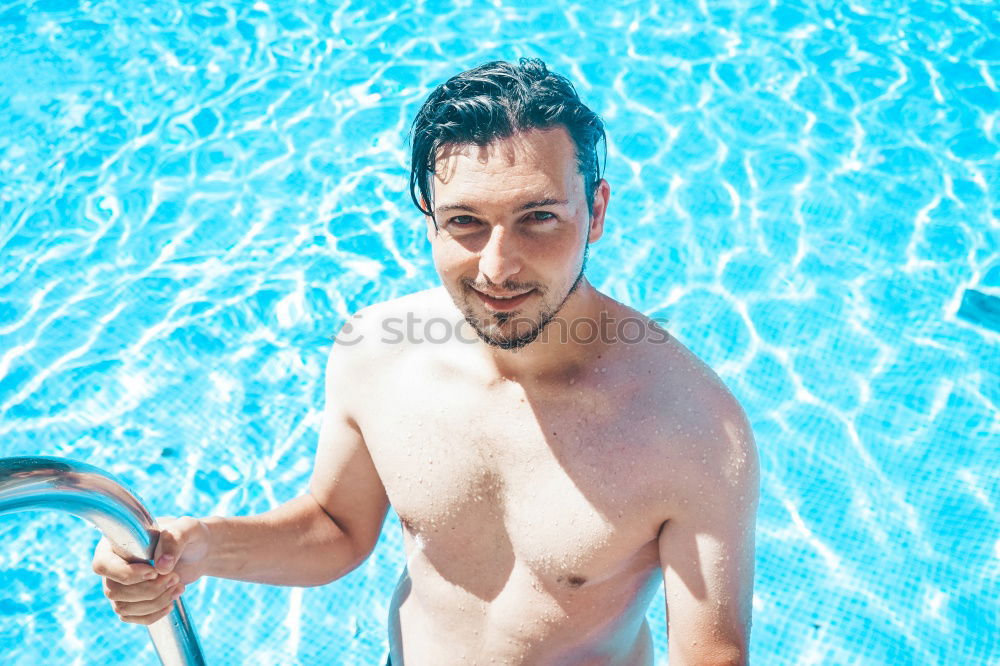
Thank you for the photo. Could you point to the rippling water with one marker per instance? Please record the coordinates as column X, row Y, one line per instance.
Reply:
column 194, row 197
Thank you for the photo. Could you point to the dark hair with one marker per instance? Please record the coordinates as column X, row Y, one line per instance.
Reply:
column 495, row 101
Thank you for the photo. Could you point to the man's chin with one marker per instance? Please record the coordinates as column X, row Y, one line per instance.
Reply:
column 510, row 340
column 508, row 344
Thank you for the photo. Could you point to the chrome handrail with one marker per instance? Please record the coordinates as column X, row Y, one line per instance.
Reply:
column 37, row 482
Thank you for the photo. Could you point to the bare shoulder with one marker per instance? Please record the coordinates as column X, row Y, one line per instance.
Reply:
column 379, row 337
column 707, row 427
column 376, row 330
column 376, row 323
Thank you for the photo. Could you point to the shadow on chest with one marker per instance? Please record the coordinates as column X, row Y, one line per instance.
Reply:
column 497, row 504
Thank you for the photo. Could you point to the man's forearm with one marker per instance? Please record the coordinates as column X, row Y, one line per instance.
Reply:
column 295, row 544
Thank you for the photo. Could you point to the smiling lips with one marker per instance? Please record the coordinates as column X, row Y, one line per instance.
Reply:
column 503, row 304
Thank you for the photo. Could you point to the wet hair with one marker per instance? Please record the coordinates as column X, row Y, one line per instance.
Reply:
column 495, row 101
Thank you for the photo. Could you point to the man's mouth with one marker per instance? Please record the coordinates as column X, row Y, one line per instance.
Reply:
column 503, row 302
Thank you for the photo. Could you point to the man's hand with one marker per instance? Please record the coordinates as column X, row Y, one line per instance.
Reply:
column 143, row 594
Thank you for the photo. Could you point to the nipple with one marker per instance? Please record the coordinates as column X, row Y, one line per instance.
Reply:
column 573, row 580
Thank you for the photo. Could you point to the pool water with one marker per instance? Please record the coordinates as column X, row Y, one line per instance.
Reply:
column 194, row 197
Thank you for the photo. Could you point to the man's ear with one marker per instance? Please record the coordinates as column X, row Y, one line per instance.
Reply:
column 432, row 229
column 429, row 220
column 602, row 194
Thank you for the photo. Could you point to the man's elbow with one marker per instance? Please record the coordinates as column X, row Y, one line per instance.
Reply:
column 333, row 562
column 337, row 552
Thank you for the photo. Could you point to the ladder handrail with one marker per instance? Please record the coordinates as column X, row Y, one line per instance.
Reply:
column 41, row 482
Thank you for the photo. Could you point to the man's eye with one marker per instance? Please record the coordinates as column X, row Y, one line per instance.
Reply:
column 462, row 221
column 541, row 216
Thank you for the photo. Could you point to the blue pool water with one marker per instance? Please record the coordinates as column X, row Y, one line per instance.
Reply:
column 194, row 196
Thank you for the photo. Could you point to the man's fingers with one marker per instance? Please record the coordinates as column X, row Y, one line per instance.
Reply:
column 146, row 619
column 109, row 565
column 141, row 591
column 168, row 549
column 149, row 607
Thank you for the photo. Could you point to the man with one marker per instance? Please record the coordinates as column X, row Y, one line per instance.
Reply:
column 544, row 476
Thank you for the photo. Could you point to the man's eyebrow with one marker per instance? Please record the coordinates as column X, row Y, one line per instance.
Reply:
column 459, row 206
column 541, row 203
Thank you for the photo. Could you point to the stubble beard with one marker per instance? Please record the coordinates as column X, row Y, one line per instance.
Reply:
column 515, row 342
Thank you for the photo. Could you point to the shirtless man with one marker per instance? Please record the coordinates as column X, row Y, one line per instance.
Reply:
column 544, row 476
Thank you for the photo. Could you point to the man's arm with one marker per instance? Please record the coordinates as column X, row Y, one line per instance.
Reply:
column 309, row 540
column 329, row 531
column 707, row 550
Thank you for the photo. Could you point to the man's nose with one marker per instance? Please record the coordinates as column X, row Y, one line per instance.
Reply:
column 500, row 258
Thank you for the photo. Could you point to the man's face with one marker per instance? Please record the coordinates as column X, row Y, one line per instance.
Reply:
column 512, row 231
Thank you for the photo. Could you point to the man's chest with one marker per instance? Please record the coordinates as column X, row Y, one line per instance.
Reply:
column 562, row 486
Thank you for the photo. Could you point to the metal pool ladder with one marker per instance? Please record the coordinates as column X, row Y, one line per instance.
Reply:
column 83, row 490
